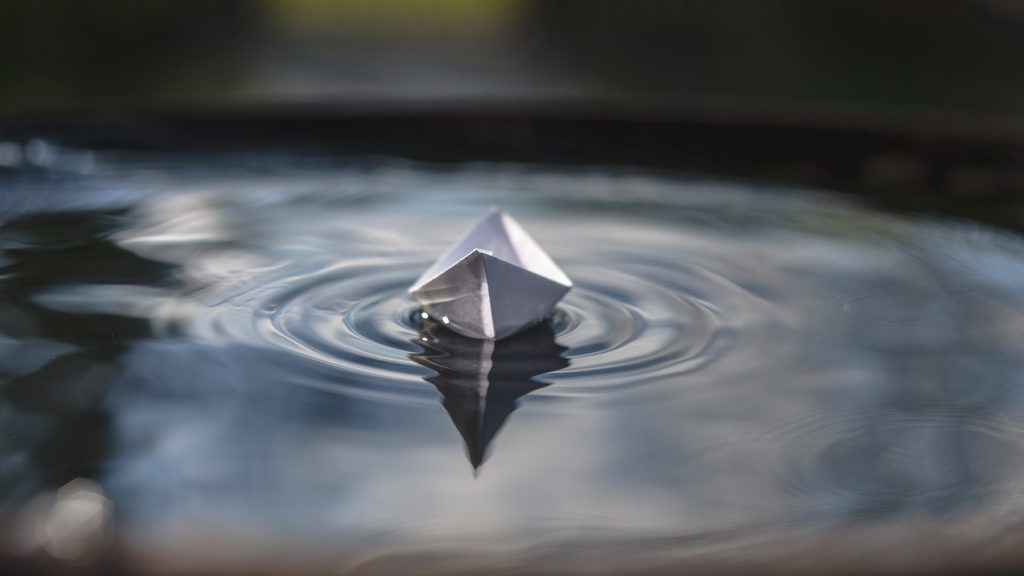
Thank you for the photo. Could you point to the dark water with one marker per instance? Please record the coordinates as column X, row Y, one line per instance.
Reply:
column 741, row 374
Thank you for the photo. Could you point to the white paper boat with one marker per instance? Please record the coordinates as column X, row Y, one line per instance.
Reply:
column 495, row 282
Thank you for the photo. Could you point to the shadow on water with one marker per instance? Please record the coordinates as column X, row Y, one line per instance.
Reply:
column 482, row 381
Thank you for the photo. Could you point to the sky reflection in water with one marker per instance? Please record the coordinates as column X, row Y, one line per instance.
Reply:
column 234, row 358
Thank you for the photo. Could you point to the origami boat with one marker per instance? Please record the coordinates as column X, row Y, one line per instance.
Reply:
column 495, row 282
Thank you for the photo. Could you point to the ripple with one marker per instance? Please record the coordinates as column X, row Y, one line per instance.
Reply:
column 627, row 326
column 728, row 363
column 353, row 319
column 875, row 460
column 903, row 315
column 623, row 328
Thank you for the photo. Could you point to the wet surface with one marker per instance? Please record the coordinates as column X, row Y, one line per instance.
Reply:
column 229, row 351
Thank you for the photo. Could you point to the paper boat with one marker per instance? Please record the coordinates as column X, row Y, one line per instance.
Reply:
column 495, row 282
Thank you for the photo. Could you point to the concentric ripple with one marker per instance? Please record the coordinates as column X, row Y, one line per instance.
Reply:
column 622, row 327
column 731, row 360
column 626, row 326
column 883, row 461
column 328, row 283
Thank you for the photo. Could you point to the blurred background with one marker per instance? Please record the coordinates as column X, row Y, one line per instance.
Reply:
column 947, row 60
column 917, row 103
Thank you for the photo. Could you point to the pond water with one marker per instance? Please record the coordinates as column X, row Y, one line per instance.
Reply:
column 741, row 374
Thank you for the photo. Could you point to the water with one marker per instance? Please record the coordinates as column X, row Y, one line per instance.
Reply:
column 742, row 374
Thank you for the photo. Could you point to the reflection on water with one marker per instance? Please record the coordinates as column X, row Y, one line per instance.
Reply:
column 740, row 375
column 481, row 381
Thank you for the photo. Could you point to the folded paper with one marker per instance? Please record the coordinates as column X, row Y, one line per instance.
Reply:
column 495, row 282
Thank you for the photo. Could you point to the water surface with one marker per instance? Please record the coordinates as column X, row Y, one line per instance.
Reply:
column 741, row 373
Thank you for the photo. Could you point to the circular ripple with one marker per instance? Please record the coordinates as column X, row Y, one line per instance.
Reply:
column 875, row 461
column 628, row 326
column 620, row 328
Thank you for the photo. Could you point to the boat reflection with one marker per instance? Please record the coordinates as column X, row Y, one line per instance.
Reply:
column 482, row 381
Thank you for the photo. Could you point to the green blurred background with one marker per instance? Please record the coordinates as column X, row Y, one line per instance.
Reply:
column 947, row 61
